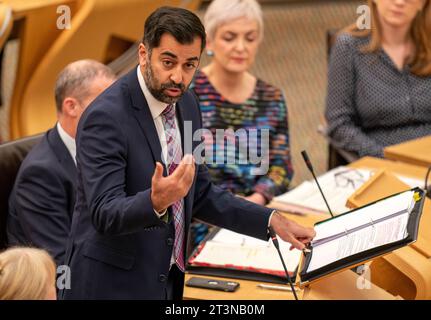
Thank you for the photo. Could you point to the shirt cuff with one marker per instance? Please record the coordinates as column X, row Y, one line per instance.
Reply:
column 160, row 214
column 270, row 217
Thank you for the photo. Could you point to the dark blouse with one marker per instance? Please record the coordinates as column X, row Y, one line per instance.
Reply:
column 265, row 109
column 371, row 103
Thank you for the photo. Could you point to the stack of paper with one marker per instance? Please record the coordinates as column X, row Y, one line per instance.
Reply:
column 337, row 185
column 232, row 250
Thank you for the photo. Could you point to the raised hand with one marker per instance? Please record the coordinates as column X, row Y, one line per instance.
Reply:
column 167, row 190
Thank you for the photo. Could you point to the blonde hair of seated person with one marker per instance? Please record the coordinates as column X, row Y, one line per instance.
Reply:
column 27, row 274
column 420, row 31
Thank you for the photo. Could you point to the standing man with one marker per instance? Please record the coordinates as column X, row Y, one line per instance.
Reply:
column 42, row 200
column 133, row 214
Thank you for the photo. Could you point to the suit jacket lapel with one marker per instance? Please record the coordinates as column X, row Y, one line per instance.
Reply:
column 143, row 115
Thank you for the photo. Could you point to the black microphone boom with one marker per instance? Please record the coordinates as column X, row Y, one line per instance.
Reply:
column 275, row 242
column 310, row 167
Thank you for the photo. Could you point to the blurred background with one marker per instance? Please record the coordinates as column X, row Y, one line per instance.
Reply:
column 293, row 57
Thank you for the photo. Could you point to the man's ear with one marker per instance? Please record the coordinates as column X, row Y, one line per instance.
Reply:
column 142, row 53
column 70, row 107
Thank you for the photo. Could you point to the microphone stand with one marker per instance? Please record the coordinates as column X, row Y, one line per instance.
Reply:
column 275, row 242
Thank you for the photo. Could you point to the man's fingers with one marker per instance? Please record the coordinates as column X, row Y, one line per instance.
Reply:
column 187, row 178
column 305, row 233
column 189, row 172
column 182, row 166
column 188, row 159
column 185, row 169
column 311, row 233
column 296, row 244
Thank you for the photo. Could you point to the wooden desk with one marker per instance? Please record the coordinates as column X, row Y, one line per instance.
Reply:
column 342, row 286
column 399, row 269
column 405, row 169
column 100, row 29
column 247, row 290
column 406, row 271
column 417, row 152
column 339, row 286
column 423, row 245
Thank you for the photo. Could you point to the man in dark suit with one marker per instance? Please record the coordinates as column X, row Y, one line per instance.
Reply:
column 133, row 214
column 42, row 200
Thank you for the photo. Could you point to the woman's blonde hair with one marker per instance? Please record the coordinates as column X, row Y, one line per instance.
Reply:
column 420, row 33
column 223, row 11
column 25, row 274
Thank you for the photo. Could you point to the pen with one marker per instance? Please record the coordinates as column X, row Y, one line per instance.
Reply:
column 272, row 287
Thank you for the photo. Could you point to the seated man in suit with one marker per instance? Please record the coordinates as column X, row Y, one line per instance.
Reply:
column 133, row 214
column 42, row 200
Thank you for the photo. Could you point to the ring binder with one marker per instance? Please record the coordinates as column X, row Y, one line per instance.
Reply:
column 413, row 211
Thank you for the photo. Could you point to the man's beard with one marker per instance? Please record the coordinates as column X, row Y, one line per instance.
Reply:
column 157, row 89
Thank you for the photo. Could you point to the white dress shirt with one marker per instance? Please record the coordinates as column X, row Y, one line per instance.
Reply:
column 68, row 141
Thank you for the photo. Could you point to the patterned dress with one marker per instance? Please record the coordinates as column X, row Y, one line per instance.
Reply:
column 257, row 129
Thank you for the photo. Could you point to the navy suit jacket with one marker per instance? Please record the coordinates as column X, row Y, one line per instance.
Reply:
column 119, row 248
column 42, row 201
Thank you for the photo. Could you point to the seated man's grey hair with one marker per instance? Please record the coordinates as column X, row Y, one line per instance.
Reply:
column 75, row 78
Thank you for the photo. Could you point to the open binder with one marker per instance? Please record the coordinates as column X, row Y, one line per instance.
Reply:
column 223, row 254
column 362, row 234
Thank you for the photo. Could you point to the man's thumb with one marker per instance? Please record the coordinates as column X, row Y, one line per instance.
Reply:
column 158, row 172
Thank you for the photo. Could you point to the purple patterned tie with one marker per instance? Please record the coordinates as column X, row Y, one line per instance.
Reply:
column 174, row 156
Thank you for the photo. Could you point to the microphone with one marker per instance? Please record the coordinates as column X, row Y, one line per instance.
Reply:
column 428, row 187
column 310, row 167
column 276, row 245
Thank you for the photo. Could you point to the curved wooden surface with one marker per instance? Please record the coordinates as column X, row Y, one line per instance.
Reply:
column 100, row 30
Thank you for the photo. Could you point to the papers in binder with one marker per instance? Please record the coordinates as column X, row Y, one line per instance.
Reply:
column 369, row 227
column 232, row 250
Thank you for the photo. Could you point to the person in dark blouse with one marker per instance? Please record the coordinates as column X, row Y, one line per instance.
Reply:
column 379, row 82
column 232, row 98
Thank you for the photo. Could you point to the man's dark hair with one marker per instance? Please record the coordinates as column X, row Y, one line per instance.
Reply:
column 182, row 24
